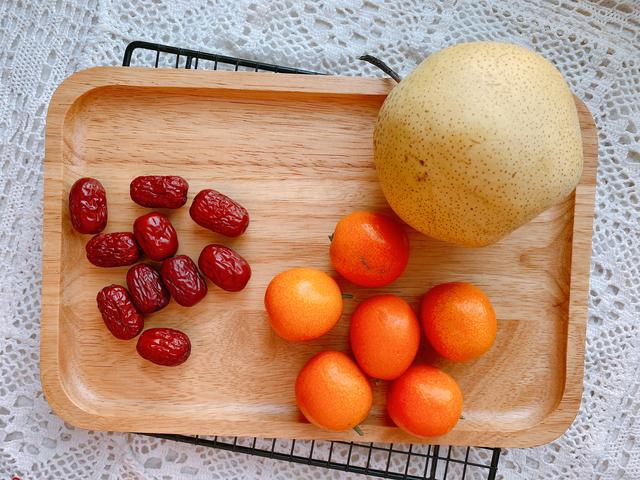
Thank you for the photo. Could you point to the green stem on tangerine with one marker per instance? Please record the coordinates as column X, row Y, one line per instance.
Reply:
column 358, row 430
column 347, row 295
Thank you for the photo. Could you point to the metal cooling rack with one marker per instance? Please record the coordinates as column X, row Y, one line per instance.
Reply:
column 404, row 462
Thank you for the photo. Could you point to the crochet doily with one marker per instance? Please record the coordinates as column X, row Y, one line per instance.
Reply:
column 596, row 45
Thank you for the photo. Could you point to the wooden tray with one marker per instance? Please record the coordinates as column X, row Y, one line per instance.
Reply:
column 297, row 152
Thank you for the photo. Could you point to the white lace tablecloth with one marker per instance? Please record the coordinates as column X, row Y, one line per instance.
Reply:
column 596, row 45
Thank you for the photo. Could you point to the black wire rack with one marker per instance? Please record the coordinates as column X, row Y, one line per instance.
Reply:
column 395, row 461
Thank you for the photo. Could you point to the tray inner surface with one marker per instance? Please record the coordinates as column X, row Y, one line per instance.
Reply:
column 298, row 162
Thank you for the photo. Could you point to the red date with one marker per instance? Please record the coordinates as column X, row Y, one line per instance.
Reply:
column 88, row 206
column 156, row 191
column 224, row 267
column 164, row 346
column 113, row 249
column 147, row 290
column 217, row 212
column 183, row 280
column 119, row 313
column 156, row 236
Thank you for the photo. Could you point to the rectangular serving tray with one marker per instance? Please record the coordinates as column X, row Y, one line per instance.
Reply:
column 296, row 150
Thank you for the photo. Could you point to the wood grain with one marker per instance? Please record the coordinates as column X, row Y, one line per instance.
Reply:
column 297, row 152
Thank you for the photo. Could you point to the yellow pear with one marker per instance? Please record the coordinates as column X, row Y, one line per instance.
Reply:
column 476, row 141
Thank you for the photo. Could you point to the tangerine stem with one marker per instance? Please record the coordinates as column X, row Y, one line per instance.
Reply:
column 347, row 295
column 358, row 430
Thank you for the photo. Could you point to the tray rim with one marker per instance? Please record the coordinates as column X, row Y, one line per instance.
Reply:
column 81, row 83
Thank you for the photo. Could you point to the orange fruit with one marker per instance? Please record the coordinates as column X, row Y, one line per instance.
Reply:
column 458, row 320
column 369, row 249
column 425, row 401
column 332, row 392
column 303, row 303
column 384, row 336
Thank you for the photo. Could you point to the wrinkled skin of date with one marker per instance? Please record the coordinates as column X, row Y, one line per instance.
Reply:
column 183, row 280
column 156, row 236
column 217, row 212
column 113, row 249
column 119, row 313
column 156, row 191
column 88, row 206
column 224, row 267
column 164, row 346
column 146, row 288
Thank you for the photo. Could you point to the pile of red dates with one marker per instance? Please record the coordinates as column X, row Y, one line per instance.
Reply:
column 149, row 289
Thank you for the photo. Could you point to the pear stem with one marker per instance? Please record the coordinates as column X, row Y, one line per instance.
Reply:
column 376, row 62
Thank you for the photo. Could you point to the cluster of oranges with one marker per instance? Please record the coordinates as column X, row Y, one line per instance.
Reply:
column 333, row 391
